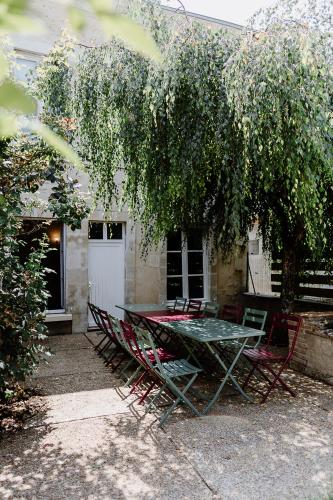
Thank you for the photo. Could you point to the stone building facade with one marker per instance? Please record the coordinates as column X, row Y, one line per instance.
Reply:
column 92, row 262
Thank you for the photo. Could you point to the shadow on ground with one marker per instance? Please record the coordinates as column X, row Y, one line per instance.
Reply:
column 94, row 441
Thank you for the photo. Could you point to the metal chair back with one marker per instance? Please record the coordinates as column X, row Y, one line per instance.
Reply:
column 180, row 304
column 290, row 322
column 211, row 309
column 256, row 318
column 232, row 313
column 194, row 305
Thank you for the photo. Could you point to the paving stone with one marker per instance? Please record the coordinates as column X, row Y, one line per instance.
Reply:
column 86, row 404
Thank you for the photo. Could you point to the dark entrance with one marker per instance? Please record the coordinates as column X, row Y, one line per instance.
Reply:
column 35, row 229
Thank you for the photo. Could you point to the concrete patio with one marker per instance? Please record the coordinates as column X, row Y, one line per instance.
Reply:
column 93, row 441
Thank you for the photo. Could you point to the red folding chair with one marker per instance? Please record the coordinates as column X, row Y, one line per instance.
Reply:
column 232, row 313
column 99, row 317
column 131, row 339
column 263, row 360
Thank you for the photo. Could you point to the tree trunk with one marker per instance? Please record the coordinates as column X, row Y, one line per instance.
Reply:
column 290, row 279
column 291, row 268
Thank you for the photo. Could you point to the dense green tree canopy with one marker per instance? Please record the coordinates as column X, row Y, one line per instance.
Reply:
column 229, row 130
column 279, row 87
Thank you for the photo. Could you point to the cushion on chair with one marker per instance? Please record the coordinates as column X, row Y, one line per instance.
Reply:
column 162, row 354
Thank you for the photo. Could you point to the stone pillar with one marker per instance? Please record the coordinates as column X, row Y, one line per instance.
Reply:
column 76, row 275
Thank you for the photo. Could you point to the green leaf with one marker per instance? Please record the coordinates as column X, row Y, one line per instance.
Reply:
column 130, row 33
column 57, row 143
column 8, row 124
column 76, row 18
column 13, row 97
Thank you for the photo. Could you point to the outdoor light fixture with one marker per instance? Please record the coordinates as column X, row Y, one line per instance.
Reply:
column 54, row 236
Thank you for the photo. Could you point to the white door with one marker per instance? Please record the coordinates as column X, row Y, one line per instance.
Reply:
column 106, row 274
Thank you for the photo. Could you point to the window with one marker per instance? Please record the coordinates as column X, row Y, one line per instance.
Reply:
column 54, row 260
column 26, row 63
column 186, row 266
column 105, row 231
column 254, row 247
column 24, row 68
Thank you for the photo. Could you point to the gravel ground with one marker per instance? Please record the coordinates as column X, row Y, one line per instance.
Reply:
column 92, row 441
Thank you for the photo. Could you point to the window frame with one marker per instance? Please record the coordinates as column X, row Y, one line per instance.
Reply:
column 185, row 274
column 29, row 56
column 105, row 231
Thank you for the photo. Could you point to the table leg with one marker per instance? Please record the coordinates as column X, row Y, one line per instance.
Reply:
column 228, row 375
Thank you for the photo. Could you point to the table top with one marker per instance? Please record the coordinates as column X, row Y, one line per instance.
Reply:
column 166, row 316
column 142, row 307
column 212, row 329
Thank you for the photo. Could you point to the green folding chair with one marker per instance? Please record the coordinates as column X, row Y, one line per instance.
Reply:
column 211, row 309
column 176, row 376
column 178, row 305
column 254, row 318
column 118, row 331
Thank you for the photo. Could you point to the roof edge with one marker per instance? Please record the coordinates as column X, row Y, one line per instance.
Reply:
column 228, row 24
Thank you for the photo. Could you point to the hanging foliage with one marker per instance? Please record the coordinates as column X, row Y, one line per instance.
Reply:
column 168, row 128
column 280, row 88
column 227, row 131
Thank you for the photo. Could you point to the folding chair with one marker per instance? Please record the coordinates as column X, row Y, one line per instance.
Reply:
column 119, row 353
column 232, row 313
column 171, row 374
column 262, row 358
column 94, row 312
column 100, row 317
column 130, row 336
column 127, row 353
column 256, row 318
column 179, row 304
column 112, row 347
column 194, row 306
column 211, row 310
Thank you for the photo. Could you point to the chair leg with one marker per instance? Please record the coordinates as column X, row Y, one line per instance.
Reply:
column 181, row 397
column 156, row 397
column 275, row 381
column 123, row 370
column 132, row 377
column 150, row 388
column 138, row 381
column 96, row 348
column 254, row 366
column 122, row 359
column 105, row 347
column 112, row 355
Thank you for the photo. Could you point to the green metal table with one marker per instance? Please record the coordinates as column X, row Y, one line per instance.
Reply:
column 211, row 332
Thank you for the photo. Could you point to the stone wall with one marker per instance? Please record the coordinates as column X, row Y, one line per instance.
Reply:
column 230, row 277
column 314, row 349
column 145, row 280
